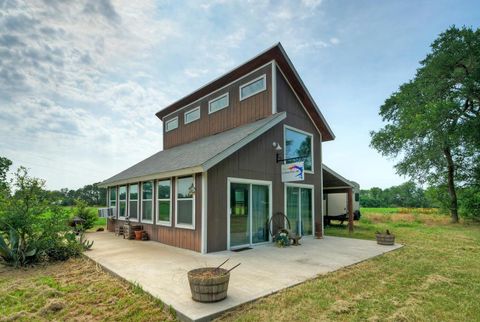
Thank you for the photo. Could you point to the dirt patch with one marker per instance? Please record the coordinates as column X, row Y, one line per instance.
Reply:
column 341, row 306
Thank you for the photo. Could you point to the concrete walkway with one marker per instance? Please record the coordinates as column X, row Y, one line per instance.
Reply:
column 162, row 270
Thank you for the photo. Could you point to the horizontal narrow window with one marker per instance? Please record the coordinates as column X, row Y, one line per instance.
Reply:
column 171, row 124
column 147, row 202
column 122, row 201
column 185, row 210
column 164, row 189
column 133, row 202
column 192, row 115
column 253, row 87
column 218, row 103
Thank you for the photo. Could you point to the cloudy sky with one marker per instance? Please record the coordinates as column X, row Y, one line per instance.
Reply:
column 80, row 81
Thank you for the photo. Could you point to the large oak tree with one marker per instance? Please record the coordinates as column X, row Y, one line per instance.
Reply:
column 433, row 121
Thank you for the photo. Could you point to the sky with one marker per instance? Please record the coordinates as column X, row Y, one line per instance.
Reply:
column 81, row 81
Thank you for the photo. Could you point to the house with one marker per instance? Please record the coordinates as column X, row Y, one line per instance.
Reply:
column 219, row 178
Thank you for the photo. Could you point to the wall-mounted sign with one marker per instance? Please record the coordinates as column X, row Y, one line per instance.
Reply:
column 292, row 172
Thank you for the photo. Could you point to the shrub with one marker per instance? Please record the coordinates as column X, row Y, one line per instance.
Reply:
column 82, row 211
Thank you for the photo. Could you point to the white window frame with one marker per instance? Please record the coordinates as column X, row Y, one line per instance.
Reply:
column 114, row 211
column 301, row 186
column 285, row 127
column 119, row 201
column 216, row 99
column 157, row 211
column 152, row 201
column 264, row 77
column 185, row 226
column 170, row 121
column 191, row 111
column 137, row 200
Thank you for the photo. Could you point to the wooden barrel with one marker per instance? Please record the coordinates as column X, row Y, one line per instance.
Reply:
column 384, row 239
column 212, row 288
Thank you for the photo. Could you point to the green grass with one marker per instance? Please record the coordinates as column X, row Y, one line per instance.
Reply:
column 435, row 277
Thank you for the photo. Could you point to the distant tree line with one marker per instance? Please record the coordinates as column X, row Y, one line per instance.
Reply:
column 91, row 194
column 405, row 195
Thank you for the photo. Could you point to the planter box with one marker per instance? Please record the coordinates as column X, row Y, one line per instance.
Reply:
column 208, row 284
column 384, row 239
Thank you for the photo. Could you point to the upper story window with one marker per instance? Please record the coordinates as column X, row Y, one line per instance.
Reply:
column 171, row 124
column 218, row 103
column 192, row 115
column 253, row 87
column 122, row 201
column 133, row 202
column 299, row 144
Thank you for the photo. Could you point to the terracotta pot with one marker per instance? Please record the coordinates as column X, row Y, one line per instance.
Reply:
column 138, row 234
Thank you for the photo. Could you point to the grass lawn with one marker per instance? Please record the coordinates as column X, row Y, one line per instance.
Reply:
column 74, row 290
column 436, row 276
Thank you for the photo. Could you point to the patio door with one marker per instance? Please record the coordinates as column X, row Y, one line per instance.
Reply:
column 299, row 209
column 249, row 212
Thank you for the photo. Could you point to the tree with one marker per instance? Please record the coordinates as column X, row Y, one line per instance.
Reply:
column 433, row 120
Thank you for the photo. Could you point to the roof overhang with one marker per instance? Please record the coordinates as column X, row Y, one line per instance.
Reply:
column 207, row 164
column 333, row 180
column 278, row 54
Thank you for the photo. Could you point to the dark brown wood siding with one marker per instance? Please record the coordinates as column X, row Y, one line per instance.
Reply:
column 173, row 236
column 237, row 113
column 256, row 161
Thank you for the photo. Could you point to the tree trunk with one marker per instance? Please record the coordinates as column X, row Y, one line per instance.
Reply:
column 451, row 185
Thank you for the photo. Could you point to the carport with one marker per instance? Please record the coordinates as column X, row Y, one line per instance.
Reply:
column 335, row 183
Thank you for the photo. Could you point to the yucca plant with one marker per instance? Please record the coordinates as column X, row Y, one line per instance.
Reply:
column 16, row 252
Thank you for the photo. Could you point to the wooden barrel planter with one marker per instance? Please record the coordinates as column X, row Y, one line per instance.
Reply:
column 208, row 284
column 385, row 239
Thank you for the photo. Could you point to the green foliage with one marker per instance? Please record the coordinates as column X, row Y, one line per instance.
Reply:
column 433, row 120
column 91, row 194
column 85, row 243
column 407, row 194
column 31, row 228
column 14, row 252
column 81, row 210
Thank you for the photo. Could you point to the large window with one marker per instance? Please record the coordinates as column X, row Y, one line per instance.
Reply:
column 112, row 200
column 171, row 124
column 122, row 201
column 147, row 202
column 133, row 202
column 185, row 210
column 218, row 103
column 253, row 87
column 192, row 115
column 164, row 206
column 299, row 144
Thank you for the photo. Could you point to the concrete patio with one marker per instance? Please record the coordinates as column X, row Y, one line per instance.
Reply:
column 162, row 270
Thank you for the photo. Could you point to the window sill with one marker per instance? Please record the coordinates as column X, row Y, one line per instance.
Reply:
column 184, row 226
column 164, row 223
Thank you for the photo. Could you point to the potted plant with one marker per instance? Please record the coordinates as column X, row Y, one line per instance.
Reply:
column 385, row 238
column 209, row 284
column 281, row 239
column 138, row 234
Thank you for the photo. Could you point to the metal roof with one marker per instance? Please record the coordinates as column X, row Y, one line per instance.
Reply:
column 196, row 156
column 332, row 179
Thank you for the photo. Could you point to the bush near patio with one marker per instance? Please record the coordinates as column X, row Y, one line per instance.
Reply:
column 32, row 228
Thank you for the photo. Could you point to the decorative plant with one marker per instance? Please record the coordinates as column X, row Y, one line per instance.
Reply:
column 81, row 210
column 85, row 243
column 281, row 239
column 387, row 232
column 15, row 252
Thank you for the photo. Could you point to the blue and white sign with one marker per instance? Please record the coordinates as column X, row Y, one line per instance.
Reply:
column 293, row 172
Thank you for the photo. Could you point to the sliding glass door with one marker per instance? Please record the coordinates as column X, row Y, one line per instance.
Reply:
column 299, row 209
column 249, row 213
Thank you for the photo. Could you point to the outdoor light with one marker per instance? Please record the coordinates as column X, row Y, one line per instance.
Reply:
column 277, row 146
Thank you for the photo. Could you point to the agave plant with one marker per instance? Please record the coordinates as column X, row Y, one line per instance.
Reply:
column 14, row 251
column 86, row 244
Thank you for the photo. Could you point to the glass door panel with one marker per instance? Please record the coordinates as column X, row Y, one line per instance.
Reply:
column 293, row 208
column 239, row 215
column 306, row 211
column 260, row 213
